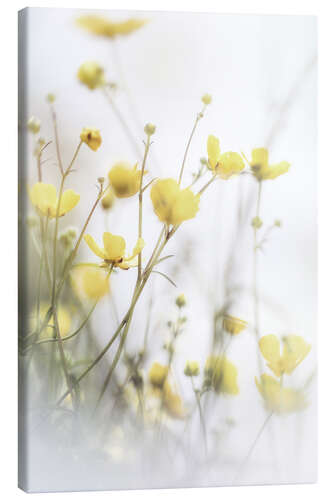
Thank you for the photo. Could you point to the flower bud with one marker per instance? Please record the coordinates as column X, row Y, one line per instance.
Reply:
column 206, row 99
column 278, row 223
column 108, row 200
column 256, row 222
column 150, row 129
column 180, row 300
column 33, row 125
column 50, row 98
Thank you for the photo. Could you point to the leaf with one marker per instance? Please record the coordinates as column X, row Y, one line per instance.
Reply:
column 166, row 277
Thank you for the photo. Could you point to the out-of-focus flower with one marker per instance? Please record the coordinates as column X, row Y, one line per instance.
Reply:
column 125, row 179
column 91, row 137
column 44, row 198
column 256, row 222
column 98, row 25
column 277, row 223
column 206, row 99
column 221, row 375
column 233, row 325
column 192, row 369
column 64, row 321
column 181, row 300
column 225, row 165
column 172, row 402
column 50, row 98
column 173, row 205
column 90, row 282
column 91, row 74
column 68, row 236
column 157, row 375
column 278, row 399
column 262, row 170
column 114, row 250
column 108, row 199
column 33, row 125
column 295, row 349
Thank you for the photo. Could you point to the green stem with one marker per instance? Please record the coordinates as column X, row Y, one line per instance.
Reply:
column 201, row 416
column 198, row 118
column 140, row 203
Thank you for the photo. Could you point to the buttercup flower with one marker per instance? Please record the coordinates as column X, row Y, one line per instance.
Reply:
column 91, row 74
column 172, row 204
column 278, row 399
column 114, row 250
column 233, row 325
column 125, row 179
column 90, row 282
column 92, row 137
column 33, row 125
column 44, row 198
column 225, row 165
column 108, row 199
column 295, row 349
column 262, row 170
column 157, row 375
column 102, row 26
column 221, row 374
column 191, row 369
column 64, row 321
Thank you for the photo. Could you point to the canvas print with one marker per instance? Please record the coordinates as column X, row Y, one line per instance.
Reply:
column 167, row 250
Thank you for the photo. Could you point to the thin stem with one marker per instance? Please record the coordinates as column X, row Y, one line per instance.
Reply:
column 249, row 453
column 55, row 127
column 198, row 118
column 201, row 415
column 203, row 189
column 140, row 203
column 255, row 274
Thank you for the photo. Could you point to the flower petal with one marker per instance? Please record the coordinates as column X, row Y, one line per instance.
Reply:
column 114, row 246
column 94, row 247
column 213, row 151
column 69, row 200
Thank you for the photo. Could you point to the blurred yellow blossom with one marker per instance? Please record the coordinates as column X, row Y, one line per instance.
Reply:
column 171, row 204
column 108, row 199
column 91, row 137
column 262, row 170
column 206, row 99
column 181, row 300
column 191, row 369
column 114, row 250
column 295, row 349
column 158, row 374
column 90, row 282
column 64, row 321
column 233, row 325
column 91, row 74
column 172, row 402
column 221, row 374
column 278, row 399
column 125, row 179
column 225, row 165
column 102, row 26
column 44, row 198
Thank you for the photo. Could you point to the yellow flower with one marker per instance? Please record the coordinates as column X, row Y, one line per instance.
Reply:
column 157, row 375
column 108, row 199
column 295, row 349
column 191, row 369
column 173, row 205
column 206, row 99
column 222, row 375
column 91, row 74
column 225, row 165
column 90, row 282
column 44, row 198
column 125, row 179
column 102, row 26
column 92, row 137
column 172, row 402
column 262, row 170
column 278, row 399
column 114, row 250
column 64, row 321
column 233, row 325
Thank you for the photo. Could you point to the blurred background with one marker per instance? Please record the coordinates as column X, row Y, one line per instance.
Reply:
column 261, row 73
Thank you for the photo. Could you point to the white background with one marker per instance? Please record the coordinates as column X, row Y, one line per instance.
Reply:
column 8, row 248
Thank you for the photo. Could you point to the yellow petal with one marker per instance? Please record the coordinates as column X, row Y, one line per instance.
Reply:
column 295, row 349
column 137, row 249
column 94, row 247
column 44, row 197
column 213, row 151
column 233, row 325
column 270, row 348
column 230, row 164
column 276, row 170
column 259, row 157
column 95, row 283
column 114, row 247
column 69, row 200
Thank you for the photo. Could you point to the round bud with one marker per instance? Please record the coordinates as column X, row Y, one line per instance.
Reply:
column 149, row 129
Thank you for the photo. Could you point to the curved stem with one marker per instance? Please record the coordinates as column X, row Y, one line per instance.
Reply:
column 198, row 118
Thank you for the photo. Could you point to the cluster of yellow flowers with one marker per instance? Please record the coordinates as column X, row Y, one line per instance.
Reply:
column 279, row 399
